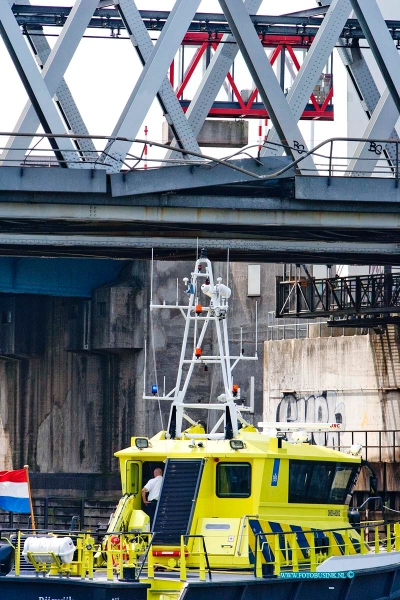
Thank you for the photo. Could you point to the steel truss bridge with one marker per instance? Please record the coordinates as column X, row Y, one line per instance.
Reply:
column 280, row 201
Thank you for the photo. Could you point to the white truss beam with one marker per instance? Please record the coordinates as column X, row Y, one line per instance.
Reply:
column 316, row 59
column 380, row 126
column 213, row 79
column 64, row 98
column 150, row 81
column 42, row 86
column 386, row 109
column 381, row 44
column 379, row 111
column 264, row 77
column 170, row 105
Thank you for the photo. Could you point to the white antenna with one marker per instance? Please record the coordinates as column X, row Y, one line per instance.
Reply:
column 145, row 367
column 151, row 277
column 241, row 340
column 256, row 328
column 227, row 269
column 251, row 403
column 177, row 291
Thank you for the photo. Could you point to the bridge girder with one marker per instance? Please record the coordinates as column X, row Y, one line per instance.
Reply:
column 290, row 219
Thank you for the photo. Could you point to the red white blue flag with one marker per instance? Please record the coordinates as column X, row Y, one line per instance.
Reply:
column 14, row 491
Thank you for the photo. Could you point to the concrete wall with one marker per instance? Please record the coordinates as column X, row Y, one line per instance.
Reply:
column 352, row 379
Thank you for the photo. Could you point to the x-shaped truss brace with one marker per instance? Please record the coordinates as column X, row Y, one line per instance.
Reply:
column 43, row 86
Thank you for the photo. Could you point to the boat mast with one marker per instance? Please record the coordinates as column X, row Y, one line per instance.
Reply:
column 199, row 287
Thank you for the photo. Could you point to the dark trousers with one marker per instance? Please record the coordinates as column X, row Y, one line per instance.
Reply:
column 150, row 509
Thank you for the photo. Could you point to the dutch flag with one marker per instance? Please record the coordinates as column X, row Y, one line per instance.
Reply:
column 14, row 491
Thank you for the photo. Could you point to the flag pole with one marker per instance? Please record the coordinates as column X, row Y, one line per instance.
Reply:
column 26, row 467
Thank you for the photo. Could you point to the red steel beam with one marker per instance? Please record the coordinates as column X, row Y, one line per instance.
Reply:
column 246, row 109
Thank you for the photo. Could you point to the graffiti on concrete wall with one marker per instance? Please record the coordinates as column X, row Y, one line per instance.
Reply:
column 320, row 407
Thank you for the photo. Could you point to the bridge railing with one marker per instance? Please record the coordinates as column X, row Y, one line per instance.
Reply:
column 345, row 156
column 48, row 151
column 378, row 158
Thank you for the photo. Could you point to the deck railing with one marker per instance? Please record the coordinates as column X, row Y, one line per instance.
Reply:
column 294, row 552
column 126, row 555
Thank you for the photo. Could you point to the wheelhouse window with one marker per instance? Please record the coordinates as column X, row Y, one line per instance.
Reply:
column 317, row 482
column 233, row 480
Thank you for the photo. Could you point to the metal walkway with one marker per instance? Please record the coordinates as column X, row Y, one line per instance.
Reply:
column 362, row 301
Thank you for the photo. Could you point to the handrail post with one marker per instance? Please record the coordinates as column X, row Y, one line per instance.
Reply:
column 18, row 555
column 388, row 538
column 258, row 556
column 121, row 555
column 90, row 554
column 84, row 558
column 286, row 544
column 313, row 557
column 376, row 532
column 183, row 560
column 397, row 537
column 202, row 561
column 295, row 556
column 79, row 547
column 110, row 572
column 150, row 563
column 363, row 545
column 277, row 550
column 130, row 552
column 87, row 544
column 206, row 557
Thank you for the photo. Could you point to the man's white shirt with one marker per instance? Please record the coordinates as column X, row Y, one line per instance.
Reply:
column 153, row 486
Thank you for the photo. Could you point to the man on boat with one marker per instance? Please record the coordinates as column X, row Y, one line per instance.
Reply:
column 152, row 488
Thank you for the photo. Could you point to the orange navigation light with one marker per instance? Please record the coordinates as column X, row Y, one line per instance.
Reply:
column 235, row 389
column 198, row 309
column 198, row 352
